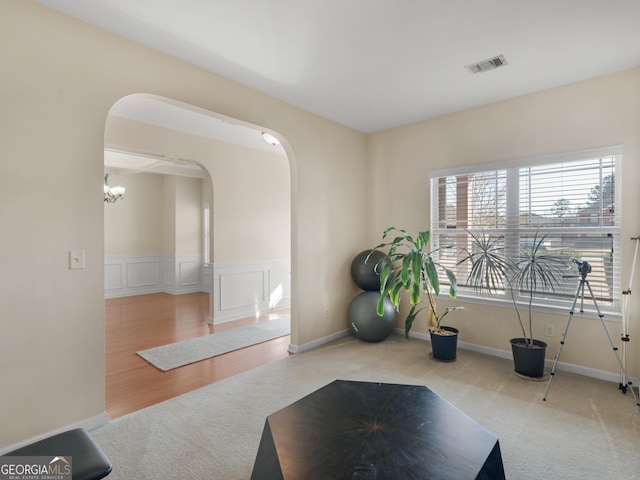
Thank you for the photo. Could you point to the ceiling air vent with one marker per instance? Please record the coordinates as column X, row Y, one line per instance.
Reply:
column 488, row 64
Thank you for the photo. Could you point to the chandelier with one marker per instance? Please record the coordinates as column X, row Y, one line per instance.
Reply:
column 111, row 194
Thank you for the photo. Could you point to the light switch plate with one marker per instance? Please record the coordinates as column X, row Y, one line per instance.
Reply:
column 76, row 260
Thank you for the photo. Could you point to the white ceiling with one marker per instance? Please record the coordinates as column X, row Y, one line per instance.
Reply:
column 166, row 113
column 376, row 64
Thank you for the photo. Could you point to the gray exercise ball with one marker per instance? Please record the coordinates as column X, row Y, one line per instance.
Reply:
column 367, row 274
column 365, row 323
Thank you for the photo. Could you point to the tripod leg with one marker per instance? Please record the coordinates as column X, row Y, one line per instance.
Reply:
column 614, row 348
column 622, row 385
column 579, row 292
column 625, row 319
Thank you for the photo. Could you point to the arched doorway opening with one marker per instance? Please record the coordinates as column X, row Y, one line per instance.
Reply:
column 249, row 211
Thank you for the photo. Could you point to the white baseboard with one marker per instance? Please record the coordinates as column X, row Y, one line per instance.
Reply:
column 562, row 366
column 317, row 343
column 89, row 424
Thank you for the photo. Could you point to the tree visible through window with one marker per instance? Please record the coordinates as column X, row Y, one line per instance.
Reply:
column 571, row 199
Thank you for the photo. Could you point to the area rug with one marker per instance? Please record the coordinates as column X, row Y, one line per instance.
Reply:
column 174, row 355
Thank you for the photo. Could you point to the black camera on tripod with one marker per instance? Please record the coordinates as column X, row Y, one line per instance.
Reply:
column 583, row 268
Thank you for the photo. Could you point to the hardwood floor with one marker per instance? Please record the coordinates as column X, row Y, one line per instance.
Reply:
column 145, row 321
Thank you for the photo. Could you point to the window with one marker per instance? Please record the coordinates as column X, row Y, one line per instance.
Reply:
column 571, row 199
column 206, row 232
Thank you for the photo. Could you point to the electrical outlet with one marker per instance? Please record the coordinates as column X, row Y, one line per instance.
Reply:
column 326, row 312
column 549, row 330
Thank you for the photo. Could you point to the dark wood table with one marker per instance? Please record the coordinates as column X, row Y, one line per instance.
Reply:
column 362, row 430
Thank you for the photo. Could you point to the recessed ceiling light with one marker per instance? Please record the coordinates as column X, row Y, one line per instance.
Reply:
column 270, row 139
column 489, row 64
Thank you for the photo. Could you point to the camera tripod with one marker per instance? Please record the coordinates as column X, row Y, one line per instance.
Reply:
column 584, row 269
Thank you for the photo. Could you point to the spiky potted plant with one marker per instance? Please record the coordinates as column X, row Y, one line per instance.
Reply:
column 534, row 271
column 413, row 272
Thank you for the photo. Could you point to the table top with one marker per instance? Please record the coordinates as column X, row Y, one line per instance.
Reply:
column 357, row 430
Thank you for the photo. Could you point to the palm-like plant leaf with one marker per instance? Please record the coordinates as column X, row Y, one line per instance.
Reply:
column 412, row 271
column 537, row 271
column 453, row 284
column 431, row 276
column 489, row 268
column 411, row 316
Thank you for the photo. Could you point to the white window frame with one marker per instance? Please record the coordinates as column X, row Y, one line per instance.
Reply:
column 206, row 232
column 513, row 230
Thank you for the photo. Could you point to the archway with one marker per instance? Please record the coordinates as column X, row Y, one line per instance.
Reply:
column 167, row 137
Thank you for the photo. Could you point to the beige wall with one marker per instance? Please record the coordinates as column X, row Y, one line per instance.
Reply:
column 135, row 224
column 595, row 113
column 60, row 77
column 251, row 206
column 169, row 214
column 188, row 215
column 251, row 200
column 160, row 214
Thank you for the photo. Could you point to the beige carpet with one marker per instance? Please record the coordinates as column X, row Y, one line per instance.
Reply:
column 587, row 429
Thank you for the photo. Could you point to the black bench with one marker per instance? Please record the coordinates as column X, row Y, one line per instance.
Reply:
column 88, row 461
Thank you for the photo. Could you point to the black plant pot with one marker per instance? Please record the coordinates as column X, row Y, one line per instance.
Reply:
column 528, row 360
column 444, row 347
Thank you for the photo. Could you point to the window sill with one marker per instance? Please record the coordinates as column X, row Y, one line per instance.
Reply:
column 589, row 309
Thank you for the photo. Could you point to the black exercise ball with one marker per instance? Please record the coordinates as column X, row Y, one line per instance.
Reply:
column 365, row 323
column 367, row 275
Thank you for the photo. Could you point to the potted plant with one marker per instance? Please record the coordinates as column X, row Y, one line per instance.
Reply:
column 533, row 272
column 412, row 271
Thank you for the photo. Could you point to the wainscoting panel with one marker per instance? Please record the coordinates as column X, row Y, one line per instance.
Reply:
column 127, row 275
column 243, row 289
column 184, row 273
column 207, row 278
column 189, row 273
column 169, row 269
column 113, row 276
column 279, row 292
column 143, row 273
